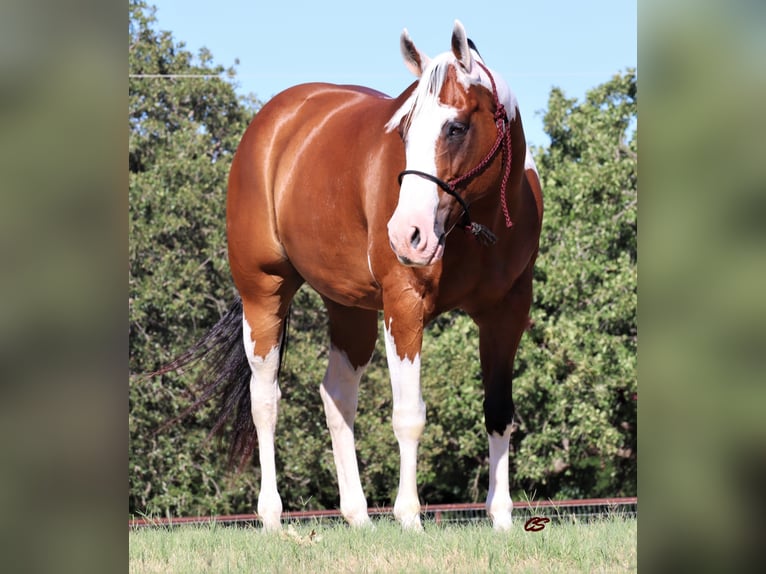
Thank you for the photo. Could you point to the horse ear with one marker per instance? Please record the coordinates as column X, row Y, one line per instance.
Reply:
column 415, row 60
column 460, row 47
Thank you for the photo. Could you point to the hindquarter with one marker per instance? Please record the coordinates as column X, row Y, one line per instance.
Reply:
column 334, row 178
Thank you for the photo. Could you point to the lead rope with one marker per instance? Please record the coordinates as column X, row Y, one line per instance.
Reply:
column 501, row 121
column 481, row 232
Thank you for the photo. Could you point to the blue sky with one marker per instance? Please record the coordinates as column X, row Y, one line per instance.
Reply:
column 534, row 45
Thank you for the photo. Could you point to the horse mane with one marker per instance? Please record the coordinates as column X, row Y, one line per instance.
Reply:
column 426, row 93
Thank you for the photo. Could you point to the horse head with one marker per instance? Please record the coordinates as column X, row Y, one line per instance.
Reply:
column 452, row 126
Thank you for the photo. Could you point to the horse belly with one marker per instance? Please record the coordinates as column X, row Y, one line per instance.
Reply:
column 336, row 272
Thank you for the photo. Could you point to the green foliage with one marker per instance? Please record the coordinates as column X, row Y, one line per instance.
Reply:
column 183, row 133
column 576, row 384
column 576, row 368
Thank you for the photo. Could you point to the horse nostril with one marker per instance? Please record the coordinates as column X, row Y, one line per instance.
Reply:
column 415, row 238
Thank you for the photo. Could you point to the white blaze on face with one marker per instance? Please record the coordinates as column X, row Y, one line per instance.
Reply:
column 413, row 230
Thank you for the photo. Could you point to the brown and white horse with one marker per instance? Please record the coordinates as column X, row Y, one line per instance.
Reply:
column 359, row 195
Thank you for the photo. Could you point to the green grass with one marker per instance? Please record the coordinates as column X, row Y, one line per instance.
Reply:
column 607, row 545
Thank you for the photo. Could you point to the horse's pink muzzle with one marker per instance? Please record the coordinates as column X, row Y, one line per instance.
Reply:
column 415, row 239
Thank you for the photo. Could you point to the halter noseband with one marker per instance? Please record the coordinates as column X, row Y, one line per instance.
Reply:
column 481, row 232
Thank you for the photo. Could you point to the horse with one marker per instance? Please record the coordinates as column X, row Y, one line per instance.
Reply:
column 413, row 205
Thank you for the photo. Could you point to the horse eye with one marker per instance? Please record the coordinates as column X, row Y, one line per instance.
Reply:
column 456, row 129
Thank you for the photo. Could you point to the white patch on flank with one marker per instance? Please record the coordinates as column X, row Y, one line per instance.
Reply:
column 339, row 392
column 409, row 418
column 264, row 401
column 499, row 504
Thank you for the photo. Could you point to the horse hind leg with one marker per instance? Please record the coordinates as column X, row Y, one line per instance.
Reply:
column 353, row 333
column 262, row 324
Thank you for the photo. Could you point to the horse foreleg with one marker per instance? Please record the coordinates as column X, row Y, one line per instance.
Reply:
column 403, row 344
column 352, row 333
column 500, row 330
column 499, row 503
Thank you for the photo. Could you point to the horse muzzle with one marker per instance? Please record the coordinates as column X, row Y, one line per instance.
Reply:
column 416, row 245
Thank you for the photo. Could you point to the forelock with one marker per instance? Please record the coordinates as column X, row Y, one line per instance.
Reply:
column 426, row 93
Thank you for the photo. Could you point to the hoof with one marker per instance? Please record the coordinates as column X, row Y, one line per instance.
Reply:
column 271, row 518
column 361, row 520
column 410, row 522
column 502, row 522
column 271, row 525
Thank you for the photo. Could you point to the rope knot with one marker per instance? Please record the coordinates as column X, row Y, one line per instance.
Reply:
column 501, row 118
column 481, row 233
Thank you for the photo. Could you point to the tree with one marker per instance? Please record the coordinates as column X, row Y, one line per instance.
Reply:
column 576, row 387
column 183, row 134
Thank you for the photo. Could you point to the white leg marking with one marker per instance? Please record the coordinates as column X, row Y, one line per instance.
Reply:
column 339, row 392
column 499, row 504
column 264, row 400
column 409, row 419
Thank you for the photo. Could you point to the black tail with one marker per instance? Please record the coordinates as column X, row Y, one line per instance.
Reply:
column 226, row 375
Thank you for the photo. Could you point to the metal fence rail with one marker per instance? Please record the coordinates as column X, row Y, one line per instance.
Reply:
column 467, row 513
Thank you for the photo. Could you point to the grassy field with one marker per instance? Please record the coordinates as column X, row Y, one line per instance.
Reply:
column 607, row 545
